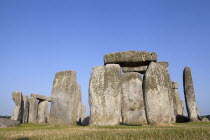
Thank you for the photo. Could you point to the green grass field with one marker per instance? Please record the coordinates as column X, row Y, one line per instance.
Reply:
column 184, row 131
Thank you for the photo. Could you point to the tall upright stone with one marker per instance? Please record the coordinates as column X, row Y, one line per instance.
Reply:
column 33, row 108
column 105, row 95
column 178, row 104
column 64, row 101
column 189, row 95
column 157, row 86
column 42, row 114
column 19, row 109
column 79, row 107
column 25, row 109
column 133, row 109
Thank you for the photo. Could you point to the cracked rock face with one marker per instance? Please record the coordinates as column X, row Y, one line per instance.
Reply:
column 19, row 106
column 133, row 109
column 130, row 58
column 157, row 86
column 105, row 95
column 64, row 101
column 190, row 95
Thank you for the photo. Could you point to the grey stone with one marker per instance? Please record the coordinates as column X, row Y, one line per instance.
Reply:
column 64, row 100
column 18, row 111
column 175, row 85
column 140, row 69
column 43, row 114
column 83, row 115
column 189, row 95
column 41, row 97
column 130, row 58
column 178, row 104
column 164, row 64
column 8, row 123
column 26, row 109
column 157, row 86
column 79, row 108
column 105, row 95
column 205, row 119
column 33, row 108
column 133, row 109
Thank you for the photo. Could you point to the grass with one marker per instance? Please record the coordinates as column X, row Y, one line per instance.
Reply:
column 184, row 131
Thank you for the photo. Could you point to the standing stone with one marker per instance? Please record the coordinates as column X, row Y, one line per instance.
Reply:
column 64, row 101
column 42, row 112
column 189, row 95
column 133, row 110
column 79, row 121
column 178, row 104
column 105, row 95
column 32, row 110
column 157, row 88
column 26, row 109
column 83, row 115
column 18, row 111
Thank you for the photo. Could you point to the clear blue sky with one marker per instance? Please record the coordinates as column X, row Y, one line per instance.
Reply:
column 41, row 37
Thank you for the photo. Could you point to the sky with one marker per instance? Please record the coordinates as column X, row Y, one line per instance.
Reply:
column 41, row 37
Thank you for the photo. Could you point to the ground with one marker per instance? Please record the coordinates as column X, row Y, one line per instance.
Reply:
column 182, row 131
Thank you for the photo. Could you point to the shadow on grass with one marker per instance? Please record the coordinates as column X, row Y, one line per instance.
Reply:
column 23, row 139
column 130, row 124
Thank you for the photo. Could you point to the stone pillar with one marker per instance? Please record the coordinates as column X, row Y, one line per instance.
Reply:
column 32, row 110
column 18, row 111
column 83, row 116
column 64, row 104
column 189, row 95
column 42, row 112
column 157, row 86
column 26, row 109
column 105, row 95
column 133, row 109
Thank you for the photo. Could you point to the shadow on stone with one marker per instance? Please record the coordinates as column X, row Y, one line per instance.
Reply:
column 85, row 122
column 181, row 119
column 130, row 124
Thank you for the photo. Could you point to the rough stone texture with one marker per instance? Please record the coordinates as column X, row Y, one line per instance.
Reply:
column 157, row 86
column 133, row 109
column 164, row 64
column 18, row 111
column 178, row 104
column 83, row 115
column 32, row 110
column 130, row 58
column 189, row 95
column 8, row 123
column 205, row 119
column 42, row 115
column 40, row 97
column 64, row 104
column 105, row 95
column 140, row 69
column 79, row 121
column 25, row 109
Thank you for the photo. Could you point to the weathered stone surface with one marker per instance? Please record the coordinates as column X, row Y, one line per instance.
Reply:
column 174, row 85
column 32, row 110
column 205, row 119
column 164, row 64
column 189, row 95
column 25, row 109
column 79, row 108
column 8, row 123
column 157, row 86
column 83, row 115
column 64, row 100
column 105, row 95
column 42, row 115
column 133, row 109
column 18, row 111
column 178, row 104
column 40, row 97
column 140, row 69
column 130, row 58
